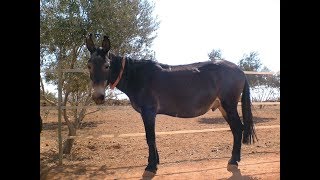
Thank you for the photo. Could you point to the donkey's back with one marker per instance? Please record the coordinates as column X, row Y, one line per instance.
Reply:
column 190, row 90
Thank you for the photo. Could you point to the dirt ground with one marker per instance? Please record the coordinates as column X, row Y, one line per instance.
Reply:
column 103, row 151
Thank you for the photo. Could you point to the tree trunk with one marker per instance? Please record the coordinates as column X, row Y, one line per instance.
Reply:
column 72, row 129
column 69, row 142
column 73, row 126
column 82, row 113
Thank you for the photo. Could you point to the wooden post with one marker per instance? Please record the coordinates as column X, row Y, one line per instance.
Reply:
column 59, row 110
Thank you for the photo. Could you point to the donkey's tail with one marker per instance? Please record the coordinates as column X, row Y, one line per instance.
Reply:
column 249, row 134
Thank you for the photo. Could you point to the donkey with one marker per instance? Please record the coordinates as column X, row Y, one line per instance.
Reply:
column 183, row 91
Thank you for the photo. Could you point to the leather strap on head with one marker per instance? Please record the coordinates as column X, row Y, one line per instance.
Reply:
column 112, row 86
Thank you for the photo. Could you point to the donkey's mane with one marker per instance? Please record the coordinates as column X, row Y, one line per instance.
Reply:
column 142, row 62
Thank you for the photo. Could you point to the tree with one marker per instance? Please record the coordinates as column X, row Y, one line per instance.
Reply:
column 264, row 86
column 272, row 82
column 215, row 54
column 251, row 62
column 63, row 26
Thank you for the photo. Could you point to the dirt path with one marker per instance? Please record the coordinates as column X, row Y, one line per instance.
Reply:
column 111, row 145
column 253, row 166
column 265, row 166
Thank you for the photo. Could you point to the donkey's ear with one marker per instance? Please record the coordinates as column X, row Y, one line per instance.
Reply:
column 106, row 44
column 89, row 43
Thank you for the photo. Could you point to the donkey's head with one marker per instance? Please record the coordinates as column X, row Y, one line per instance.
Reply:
column 98, row 66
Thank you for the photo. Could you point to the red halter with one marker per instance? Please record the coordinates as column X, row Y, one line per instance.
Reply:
column 112, row 86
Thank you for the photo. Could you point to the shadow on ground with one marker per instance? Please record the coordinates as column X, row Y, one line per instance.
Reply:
column 257, row 120
column 236, row 175
column 78, row 170
column 54, row 125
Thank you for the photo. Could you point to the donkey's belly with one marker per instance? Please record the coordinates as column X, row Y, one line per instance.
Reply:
column 184, row 114
column 186, row 110
column 185, row 100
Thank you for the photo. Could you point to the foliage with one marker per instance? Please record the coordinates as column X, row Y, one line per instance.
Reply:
column 251, row 62
column 215, row 54
column 268, row 87
column 64, row 24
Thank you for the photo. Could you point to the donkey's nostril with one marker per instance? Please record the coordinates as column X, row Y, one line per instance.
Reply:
column 98, row 96
column 101, row 97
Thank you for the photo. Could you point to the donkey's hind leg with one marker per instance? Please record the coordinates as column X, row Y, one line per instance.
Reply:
column 230, row 113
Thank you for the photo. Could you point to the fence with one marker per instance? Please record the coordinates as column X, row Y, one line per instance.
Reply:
column 59, row 107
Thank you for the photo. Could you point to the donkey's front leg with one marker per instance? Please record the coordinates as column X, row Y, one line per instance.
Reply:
column 148, row 115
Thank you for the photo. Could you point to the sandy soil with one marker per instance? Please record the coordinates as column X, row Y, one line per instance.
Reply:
column 202, row 155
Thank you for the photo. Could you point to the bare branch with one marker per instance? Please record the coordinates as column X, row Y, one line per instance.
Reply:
column 92, row 112
column 65, row 110
column 43, row 95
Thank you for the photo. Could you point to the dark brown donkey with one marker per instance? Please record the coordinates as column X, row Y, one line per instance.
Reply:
column 184, row 91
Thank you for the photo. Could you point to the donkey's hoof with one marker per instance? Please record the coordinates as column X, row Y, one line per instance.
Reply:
column 148, row 175
column 232, row 168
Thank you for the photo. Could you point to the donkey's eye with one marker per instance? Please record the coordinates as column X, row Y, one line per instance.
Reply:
column 106, row 66
column 89, row 66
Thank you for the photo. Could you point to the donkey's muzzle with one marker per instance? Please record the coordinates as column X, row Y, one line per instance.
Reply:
column 98, row 98
column 98, row 94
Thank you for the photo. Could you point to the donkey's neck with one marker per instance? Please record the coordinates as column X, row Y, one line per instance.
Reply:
column 134, row 74
column 123, row 82
column 126, row 83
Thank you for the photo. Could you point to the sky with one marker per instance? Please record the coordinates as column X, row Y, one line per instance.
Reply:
column 190, row 29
